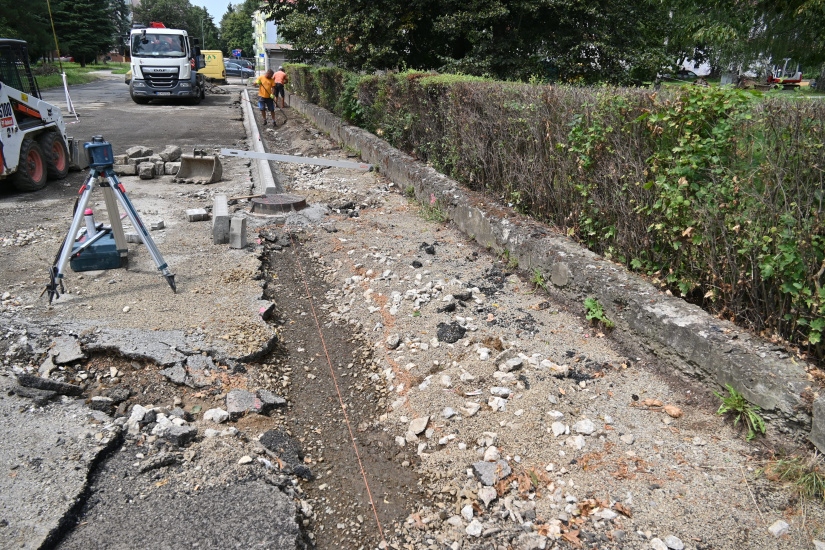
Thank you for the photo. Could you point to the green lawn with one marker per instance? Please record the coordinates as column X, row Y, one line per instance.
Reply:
column 75, row 74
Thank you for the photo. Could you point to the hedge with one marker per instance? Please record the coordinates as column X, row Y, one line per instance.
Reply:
column 715, row 194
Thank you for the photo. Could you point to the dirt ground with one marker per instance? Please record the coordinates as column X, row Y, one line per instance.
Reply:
column 639, row 475
column 439, row 396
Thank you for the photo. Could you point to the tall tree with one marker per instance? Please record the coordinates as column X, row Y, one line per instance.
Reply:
column 85, row 28
column 511, row 39
column 236, row 27
column 28, row 21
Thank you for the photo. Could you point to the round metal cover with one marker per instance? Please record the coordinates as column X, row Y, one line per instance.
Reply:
column 277, row 204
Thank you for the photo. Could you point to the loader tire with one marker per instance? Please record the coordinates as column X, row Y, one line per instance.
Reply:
column 56, row 153
column 31, row 171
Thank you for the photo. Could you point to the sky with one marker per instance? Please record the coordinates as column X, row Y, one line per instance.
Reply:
column 216, row 8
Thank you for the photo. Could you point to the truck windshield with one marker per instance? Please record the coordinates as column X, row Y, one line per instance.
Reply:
column 158, row 45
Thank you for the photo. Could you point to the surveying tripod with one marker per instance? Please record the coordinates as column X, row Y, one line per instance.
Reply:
column 101, row 173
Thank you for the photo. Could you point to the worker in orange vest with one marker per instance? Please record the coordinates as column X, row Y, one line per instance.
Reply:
column 280, row 79
column 266, row 95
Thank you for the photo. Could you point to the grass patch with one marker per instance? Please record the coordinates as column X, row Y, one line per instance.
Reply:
column 805, row 474
column 50, row 77
column 538, row 280
column 595, row 313
column 433, row 211
column 735, row 404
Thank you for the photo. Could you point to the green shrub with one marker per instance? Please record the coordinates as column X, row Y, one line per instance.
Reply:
column 716, row 194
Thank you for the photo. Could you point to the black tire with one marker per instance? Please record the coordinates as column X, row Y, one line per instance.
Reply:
column 198, row 98
column 31, row 172
column 56, row 153
column 140, row 100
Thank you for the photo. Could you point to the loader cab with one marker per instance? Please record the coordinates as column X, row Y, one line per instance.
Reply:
column 15, row 70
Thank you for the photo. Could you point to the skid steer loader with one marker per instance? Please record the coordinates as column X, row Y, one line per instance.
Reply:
column 34, row 146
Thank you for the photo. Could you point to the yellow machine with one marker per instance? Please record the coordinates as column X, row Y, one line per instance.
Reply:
column 214, row 69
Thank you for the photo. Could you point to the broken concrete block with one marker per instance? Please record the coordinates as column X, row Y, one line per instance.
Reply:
column 133, row 238
column 270, row 401
column 180, row 435
column 171, row 168
column 120, row 159
column 146, row 170
column 218, row 416
column 155, row 226
column 125, row 169
column 138, row 151
column 66, row 350
column 237, row 232
column 197, row 214
column 220, row 220
column 240, row 402
column 160, row 167
column 176, row 374
column 170, row 154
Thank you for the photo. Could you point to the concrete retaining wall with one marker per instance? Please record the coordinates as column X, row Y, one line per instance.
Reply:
column 685, row 336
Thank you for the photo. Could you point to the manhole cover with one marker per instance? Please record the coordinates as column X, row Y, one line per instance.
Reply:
column 276, row 204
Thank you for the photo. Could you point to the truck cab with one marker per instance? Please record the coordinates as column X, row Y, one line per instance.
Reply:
column 165, row 65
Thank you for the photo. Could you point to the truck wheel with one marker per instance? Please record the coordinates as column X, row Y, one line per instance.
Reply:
column 31, row 171
column 56, row 153
column 140, row 100
column 198, row 98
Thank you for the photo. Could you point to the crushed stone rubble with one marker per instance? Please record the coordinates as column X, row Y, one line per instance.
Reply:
column 533, row 428
column 526, row 427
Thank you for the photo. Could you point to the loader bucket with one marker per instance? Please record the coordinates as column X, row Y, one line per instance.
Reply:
column 199, row 167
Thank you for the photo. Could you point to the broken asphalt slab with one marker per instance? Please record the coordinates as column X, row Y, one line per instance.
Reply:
column 688, row 338
column 149, row 512
column 46, row 456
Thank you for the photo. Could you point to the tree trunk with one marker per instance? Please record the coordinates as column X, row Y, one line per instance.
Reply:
column 820, row 81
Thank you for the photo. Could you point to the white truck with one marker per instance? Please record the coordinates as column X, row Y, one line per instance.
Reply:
column 165, row 65
column 34, row 146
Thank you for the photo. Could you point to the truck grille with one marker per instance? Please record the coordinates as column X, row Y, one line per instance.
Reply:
column 161, row 77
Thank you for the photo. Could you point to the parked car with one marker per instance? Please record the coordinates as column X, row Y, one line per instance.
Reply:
column 233, row 69
column 685, row 74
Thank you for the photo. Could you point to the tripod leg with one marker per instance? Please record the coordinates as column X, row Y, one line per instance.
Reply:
column 120, row 193
column 56, row 271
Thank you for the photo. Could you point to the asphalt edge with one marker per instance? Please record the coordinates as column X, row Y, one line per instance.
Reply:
column 714, row 351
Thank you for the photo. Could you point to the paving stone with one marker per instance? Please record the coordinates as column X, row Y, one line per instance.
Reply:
column 237, row 232
column 197, row 215
column 170, row 153
column 146, row 170
column 125, row 169
column 138, row 151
